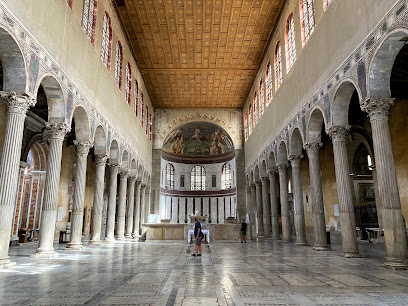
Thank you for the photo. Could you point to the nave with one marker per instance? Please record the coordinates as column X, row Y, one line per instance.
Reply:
column 263, row 272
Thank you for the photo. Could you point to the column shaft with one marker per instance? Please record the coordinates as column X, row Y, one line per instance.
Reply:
column 298, row 201
column 259, row 208
column 266, row 208
column 120, row 230
column 274, row 205
column 131, row 207
column 284, row 197
column 317, row 197
column 56, row 133
column 98, row 200
column 394, row 231
column 142, row 206
column 254, row 212
column 136, row 218
column 79, row 195
column 17, row 106
column 339, row 136
column 110, row 224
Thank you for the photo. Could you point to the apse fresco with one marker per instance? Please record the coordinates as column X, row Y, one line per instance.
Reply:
column 198, row 139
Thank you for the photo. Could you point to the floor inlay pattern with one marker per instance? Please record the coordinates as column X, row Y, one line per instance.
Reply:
column 265, row 272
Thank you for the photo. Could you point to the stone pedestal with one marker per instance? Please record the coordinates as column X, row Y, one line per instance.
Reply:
column 394, row 231
column 120, row 230
column 266, row 208
column 259, row 208
column 130, row 207
column 298, row 201
column 319, row 222
column 110, row 224
column 55, row 133
column 274, row 205
column 284, row 197
column 17, row 106
column 98, row 200
column 79, row 195
column 339, row 136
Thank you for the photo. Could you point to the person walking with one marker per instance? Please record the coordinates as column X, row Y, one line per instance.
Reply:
column 243, row 231
column 198, row 234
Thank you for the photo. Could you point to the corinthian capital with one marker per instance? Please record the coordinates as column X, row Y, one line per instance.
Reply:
column 56, row 131
column 377, row 108
column 313, row 147
column 339, row 133
column 271, row 174
column 282, row 168
column 82, row 147
column 17, row 103
column 264, row 179
column 101, row 159
column 114, row 168
column 295, row 160
column 124, row 174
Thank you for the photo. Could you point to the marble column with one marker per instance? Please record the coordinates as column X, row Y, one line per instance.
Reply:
column 17, row 106
column 339, row 135
column 147, row 204
column 248, row 207
column 259, row 208
column 394, row 231
column 254, row 212
column 130, row 207
column 136, row 217
column 298, row 200
column 77, row 218
column 319, row 221
column 377, row 198
column 120, row 229
column 100, row 161
column 284, row 197
column 266, row 208
column 142, row 206
column 274, row 205
column 113, row 186
column 55, row 133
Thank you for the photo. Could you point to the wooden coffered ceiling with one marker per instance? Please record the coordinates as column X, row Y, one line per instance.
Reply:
column 198, row 53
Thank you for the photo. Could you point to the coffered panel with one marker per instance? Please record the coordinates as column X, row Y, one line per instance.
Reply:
column 198, row 53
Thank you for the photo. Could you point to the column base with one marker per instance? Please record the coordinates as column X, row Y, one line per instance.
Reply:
column 395, row 264
column 128, row 235
column 287, row 240
column 350, row 254
column 75, row 246
column 6, row 263
column 301, row 244
column 322, row 248
column 95, row 242
column 110, row 240
column 120, row 237
column 44, row 254
column 136, row 237
column 276, row 238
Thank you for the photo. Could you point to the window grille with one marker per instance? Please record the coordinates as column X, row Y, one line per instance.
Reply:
column 290, row 43
column 261, row 99
column 88, row 18
column 106, row 41
column 268, row 81
column 278, row 66
column 198, row 178
column 226, row 176
column 169, row 176
column 136, row 98
column 128, row 85
column 307, row 19
column 255, row 109
column 118, row 65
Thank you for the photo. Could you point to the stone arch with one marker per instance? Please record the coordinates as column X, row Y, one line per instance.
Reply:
column 140, row 172
column 282, row 154
column 124, row 160
column 133, row 167
column 271, row 161
column 263, row 168
column 55, row 98
column 114, row 152
column 82, row 124
column 296, row 142
column 257, row 175
column 382, row 63
column 341, row 102
column 314, row 126
column 99, row 141
column 12, row 60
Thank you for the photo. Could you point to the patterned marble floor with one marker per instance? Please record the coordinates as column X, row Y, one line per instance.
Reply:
column 265, row 272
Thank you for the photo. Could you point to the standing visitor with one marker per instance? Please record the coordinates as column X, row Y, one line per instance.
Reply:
column 243, row 231
column 198, row 236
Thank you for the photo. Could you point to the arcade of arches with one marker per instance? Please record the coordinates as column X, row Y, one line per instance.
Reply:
column 121, row 121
